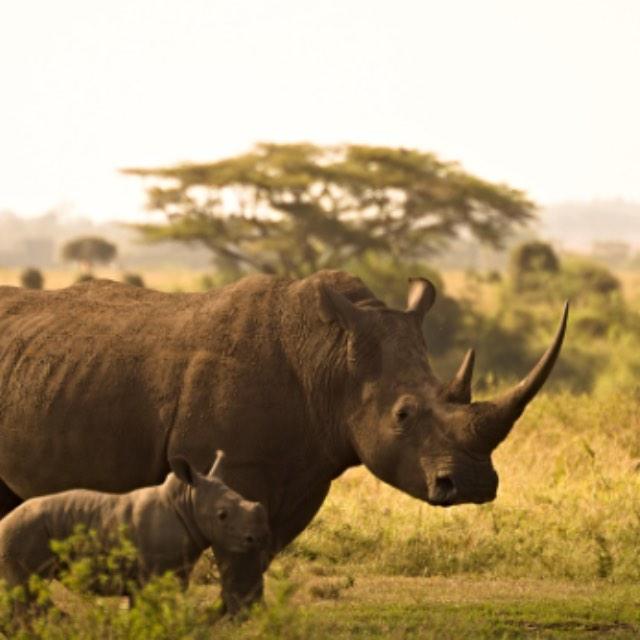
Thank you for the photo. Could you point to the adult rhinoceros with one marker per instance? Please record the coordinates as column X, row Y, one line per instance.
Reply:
column 101, row 383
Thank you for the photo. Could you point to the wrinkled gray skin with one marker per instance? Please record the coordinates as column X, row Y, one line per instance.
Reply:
column 170, row 524
column 102, row 383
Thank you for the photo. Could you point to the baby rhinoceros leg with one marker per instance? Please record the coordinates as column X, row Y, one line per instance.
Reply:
column 24, row 548
column 236, row 529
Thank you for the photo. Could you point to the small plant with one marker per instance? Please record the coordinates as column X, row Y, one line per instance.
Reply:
column 32, row 278
column 604, row 557
column 331, row 589
column 281, row 619
column 96, row 564
column 206, row 570
column 206, row 282
column 134, row 279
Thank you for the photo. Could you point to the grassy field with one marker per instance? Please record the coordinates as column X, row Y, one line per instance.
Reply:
column 557, row 555
column 568, row 506
column 381, row 607
column 452, row 608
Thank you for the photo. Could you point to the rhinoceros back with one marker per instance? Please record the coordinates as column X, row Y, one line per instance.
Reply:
column 92, row 378
column 71, row 388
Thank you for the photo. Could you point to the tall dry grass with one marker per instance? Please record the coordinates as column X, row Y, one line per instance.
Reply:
column 568, row 506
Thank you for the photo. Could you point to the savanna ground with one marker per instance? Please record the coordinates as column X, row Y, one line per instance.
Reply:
column 555, row 556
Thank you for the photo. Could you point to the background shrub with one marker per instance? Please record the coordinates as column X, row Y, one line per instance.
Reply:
column 32, row 278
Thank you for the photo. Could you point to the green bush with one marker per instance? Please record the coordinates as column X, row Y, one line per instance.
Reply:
column 90, row 564
column 134, row 279
column 530, row 265
column 161, row 609
column 31, row 279
column 584, row 279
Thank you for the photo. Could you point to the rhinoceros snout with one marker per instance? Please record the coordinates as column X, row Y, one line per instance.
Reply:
column 256, row 540
column 257, row 533
column 448, row 489
column 443, row 493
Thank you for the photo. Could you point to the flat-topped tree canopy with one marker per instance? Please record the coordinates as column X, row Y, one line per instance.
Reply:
column 295, row 208
column 89, row 250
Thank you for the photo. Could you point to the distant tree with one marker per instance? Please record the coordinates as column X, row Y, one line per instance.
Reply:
column 88, row 251
column 531, row 263
column 586, row 277
column 295, row 208
column 535, row 256
column 31, row 278
column 133, row 279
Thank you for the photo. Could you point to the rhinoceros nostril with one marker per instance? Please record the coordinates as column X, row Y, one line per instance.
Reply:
column 444, row 483
column 444, row 492
column 249, row 539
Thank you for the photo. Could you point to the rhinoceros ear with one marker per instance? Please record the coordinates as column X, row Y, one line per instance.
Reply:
column 422, row 295
column 334, row 307
column 181, row 467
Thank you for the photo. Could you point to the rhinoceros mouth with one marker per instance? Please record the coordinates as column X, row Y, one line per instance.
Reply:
column 444, row 503
column 462, row 499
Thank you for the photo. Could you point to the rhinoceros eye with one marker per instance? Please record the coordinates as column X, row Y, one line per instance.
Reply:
column 222, row 514
column 404, row 410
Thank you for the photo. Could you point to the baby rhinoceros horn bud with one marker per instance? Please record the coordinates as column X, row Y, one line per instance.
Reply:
column 215, row 467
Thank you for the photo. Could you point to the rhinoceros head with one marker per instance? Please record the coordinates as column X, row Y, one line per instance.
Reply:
column 424, row 437
column 220, row 514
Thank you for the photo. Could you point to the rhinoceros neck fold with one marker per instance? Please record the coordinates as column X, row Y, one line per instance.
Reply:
column 317, row 355
column 180, row 496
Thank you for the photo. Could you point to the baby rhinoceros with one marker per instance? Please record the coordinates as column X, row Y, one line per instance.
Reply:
column 170, row 524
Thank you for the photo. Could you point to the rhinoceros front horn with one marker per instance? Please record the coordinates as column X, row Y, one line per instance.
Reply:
column 499, row 415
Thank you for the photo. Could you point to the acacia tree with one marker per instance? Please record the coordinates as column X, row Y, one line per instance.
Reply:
column 295, row 208
column 88, row 251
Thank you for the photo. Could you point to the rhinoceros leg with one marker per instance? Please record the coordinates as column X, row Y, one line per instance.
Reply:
column 241, row 574
column 8, row 500
column 285, row 529
column 241, row 577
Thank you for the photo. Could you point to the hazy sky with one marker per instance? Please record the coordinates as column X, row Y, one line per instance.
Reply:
column 544, row 95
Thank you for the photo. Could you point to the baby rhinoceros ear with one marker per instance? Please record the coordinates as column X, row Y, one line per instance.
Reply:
column 181, row 467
